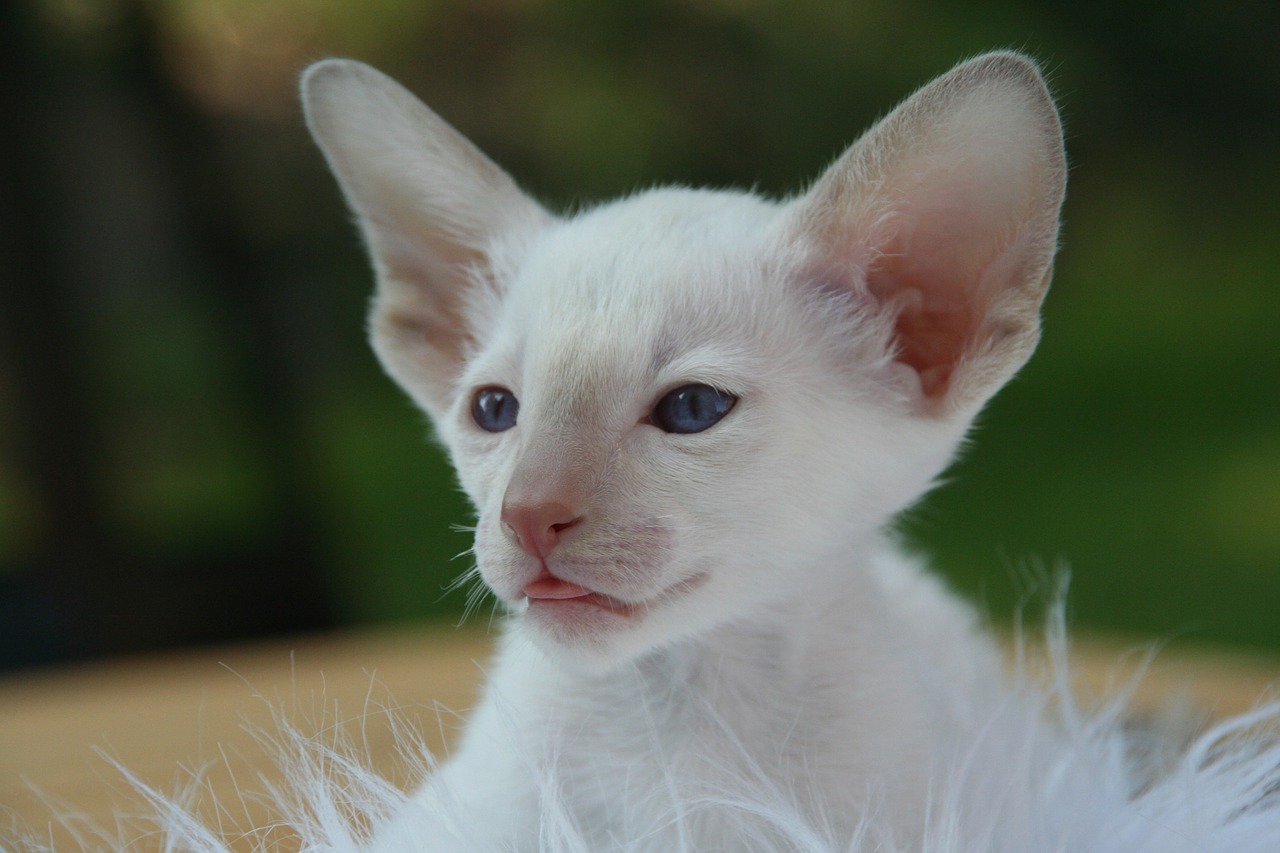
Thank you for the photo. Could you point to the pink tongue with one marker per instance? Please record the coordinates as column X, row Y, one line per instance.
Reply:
column 549, row 586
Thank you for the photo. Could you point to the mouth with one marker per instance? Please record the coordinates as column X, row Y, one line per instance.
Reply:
column 551, row 593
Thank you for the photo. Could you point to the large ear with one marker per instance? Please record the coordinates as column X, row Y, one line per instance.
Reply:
column 943, row 218
column 433, row 210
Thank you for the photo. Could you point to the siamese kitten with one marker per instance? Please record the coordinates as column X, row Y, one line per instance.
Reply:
column 685, row 420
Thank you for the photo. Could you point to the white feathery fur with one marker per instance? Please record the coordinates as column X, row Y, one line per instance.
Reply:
column 712, row 644
column 1043, row 775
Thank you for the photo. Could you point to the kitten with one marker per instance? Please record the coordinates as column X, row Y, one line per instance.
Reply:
column 685, row 419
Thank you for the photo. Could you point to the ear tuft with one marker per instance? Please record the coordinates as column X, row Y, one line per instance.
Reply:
column 944, row 217
column 433, row 209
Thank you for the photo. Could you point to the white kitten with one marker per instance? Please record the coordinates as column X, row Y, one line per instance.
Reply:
column 684, row 419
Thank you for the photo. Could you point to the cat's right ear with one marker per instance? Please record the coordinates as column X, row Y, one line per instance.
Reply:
column 433, row 210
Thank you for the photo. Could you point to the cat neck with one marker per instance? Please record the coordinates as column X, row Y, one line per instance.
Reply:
column 834, row 682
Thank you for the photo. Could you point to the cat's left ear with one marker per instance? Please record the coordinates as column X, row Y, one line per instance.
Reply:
column 435, row 213
column 943, row 220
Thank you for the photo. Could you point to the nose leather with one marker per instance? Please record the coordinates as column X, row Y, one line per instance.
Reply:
column 537, row 528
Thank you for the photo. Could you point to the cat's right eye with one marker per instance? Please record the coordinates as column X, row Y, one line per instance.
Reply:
column 494, row 409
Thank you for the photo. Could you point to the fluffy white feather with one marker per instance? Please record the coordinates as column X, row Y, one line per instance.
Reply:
column 1042, row 775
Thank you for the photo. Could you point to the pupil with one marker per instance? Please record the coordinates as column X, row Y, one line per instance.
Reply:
column 697, row 405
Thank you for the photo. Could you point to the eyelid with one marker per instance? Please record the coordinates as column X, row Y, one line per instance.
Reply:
column 724, row 384
column 731, row 388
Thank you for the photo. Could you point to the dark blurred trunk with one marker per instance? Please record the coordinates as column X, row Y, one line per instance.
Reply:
column 65, row 583
column 81, row 591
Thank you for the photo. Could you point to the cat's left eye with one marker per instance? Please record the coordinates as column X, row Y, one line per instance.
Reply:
column 691, row 408
column 494, row 409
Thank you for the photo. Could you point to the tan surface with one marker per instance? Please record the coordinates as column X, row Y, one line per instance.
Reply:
column 191, row 709
column 196, row 709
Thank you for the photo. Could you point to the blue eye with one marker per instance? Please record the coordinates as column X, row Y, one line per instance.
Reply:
column 691, row 408
column 494, row 409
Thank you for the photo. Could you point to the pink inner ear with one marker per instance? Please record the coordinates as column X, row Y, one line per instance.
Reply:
column 932, row 342
column 937, row 279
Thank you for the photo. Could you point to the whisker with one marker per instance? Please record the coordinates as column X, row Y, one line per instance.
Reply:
column 475, row 595
column 462, row 579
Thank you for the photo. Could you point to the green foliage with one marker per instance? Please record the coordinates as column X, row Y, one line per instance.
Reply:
column 1141, row 447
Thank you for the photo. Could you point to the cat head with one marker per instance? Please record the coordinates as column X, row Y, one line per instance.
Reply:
column 685, row 407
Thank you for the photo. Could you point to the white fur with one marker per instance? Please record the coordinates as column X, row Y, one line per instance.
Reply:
column 785, row 678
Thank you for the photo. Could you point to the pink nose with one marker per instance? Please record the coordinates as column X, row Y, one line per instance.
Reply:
column 537, row 527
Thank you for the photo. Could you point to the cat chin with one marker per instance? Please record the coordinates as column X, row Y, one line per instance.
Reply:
column 598, row 633
column 581, row 633
column 586, row 641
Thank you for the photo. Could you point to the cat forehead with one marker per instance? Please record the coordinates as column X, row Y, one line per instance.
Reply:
column 644, row 272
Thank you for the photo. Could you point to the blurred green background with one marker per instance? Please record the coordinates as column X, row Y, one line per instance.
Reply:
column 195, row 444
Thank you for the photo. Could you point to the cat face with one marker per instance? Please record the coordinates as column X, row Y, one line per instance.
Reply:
column 679, row 409
column 666, row 533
